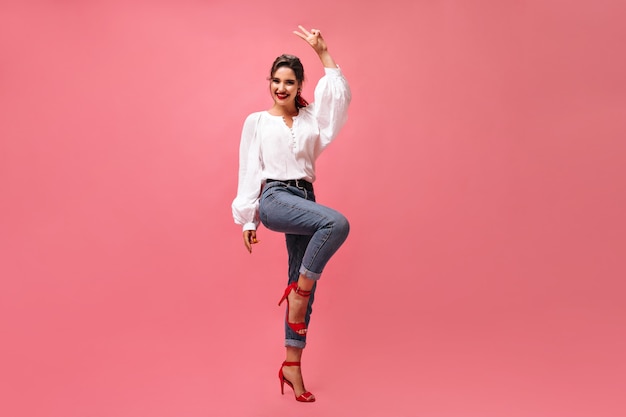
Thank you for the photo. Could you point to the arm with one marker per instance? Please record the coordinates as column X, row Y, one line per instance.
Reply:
column 314, row 38
column 245, row 204
column 332, row 93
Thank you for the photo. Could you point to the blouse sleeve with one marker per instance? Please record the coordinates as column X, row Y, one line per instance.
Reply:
column 332, row 98
column 245, row 206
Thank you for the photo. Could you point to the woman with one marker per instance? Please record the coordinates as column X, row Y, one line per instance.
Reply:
column 276, row 171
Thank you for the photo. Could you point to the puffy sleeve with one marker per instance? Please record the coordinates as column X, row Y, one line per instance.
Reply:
column 245, row 206
column 332, row 98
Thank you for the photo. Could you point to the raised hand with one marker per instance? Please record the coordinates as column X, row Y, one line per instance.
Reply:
column 313, row 38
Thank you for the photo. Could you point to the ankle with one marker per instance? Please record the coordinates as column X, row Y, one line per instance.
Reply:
column 301, row 292
column 291, row 364
column 305, row 284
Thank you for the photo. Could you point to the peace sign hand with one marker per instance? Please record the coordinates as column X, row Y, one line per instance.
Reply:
column 313, row 38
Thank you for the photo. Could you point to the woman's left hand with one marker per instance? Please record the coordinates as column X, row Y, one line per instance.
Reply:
column 313, row 38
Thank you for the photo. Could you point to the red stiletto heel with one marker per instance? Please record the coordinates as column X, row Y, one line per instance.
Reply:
column 296, row 327
column 305, row 397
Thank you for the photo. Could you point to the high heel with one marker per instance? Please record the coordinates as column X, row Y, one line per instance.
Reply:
column 296, row 327
column 305, row 397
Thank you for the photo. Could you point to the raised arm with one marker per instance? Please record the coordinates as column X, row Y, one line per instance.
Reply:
column 314, row 38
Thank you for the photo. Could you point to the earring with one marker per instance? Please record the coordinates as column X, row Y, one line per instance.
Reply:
column 301, row 101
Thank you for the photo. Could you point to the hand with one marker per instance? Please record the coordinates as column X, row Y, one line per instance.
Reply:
column 313, row 38
column 249, row 239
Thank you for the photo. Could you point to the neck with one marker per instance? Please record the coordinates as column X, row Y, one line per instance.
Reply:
column 283, row 111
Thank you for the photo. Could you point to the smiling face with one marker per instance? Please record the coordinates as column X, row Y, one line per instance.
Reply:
column 284, row 88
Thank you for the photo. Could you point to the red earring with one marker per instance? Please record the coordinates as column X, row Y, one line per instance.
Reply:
column 301, row 101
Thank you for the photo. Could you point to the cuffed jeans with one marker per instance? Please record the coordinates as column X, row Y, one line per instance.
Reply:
column 313, row 233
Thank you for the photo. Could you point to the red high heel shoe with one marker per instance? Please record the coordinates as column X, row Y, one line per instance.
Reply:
column 296, row 327
column 305, row 397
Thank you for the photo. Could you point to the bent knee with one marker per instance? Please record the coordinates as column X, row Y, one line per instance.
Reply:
column 342, row 224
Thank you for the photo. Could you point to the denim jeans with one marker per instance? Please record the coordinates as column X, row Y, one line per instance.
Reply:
column 313, row 233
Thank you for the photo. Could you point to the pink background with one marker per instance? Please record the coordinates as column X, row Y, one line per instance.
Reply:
column 482, row 170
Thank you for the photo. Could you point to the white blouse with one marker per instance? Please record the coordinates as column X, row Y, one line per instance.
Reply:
column 270, row 149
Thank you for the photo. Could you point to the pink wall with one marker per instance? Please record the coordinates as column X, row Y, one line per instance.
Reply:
column 482, row 169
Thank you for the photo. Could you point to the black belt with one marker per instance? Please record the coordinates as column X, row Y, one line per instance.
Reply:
column 294, row 183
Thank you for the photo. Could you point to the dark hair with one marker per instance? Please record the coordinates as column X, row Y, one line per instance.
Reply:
column 292, row 62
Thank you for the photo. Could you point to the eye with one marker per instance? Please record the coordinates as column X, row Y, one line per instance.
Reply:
column 275, row 80
column 291, row 82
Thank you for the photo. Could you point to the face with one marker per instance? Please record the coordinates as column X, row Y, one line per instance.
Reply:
column 284, row 87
